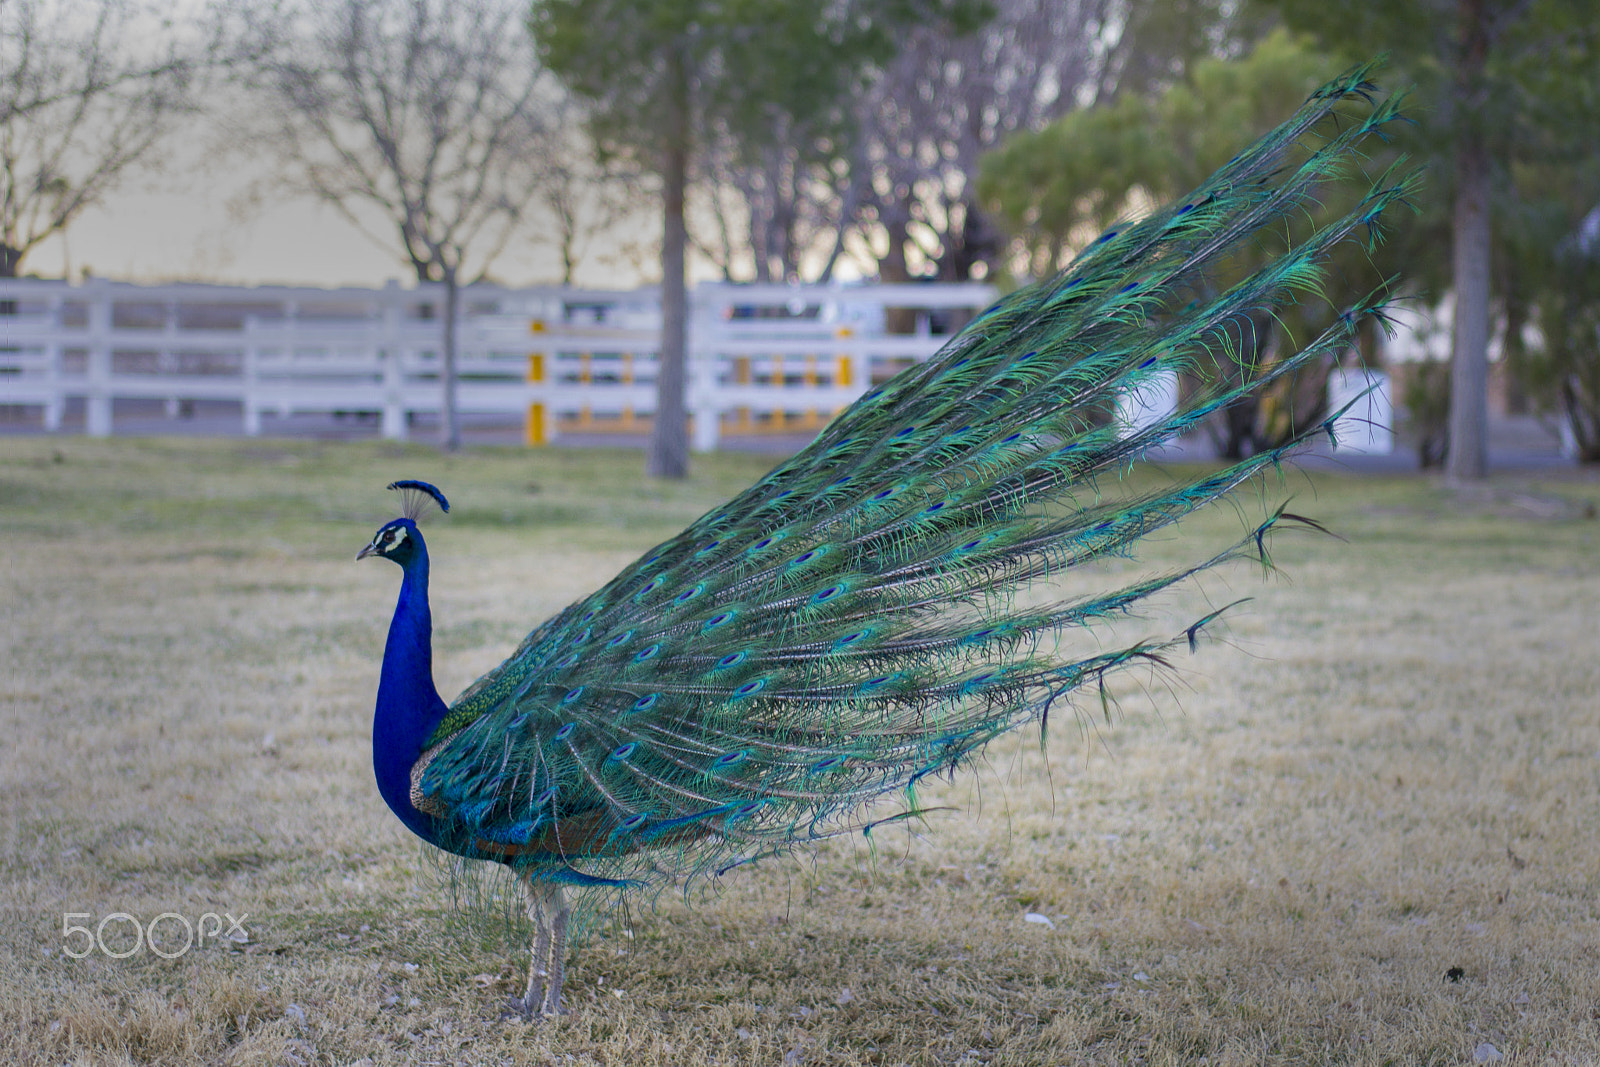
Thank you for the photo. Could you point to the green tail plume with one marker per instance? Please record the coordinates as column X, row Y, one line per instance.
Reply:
column 848, row 625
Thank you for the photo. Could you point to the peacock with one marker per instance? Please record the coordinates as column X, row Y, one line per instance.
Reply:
column 848, row 625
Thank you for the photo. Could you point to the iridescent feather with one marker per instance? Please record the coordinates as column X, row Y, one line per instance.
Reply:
column 848, row 625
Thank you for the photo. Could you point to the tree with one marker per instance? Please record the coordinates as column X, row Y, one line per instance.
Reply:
column 660, row 73
column 941, row 103
column 82, row 104
column 1547, row 266
column 428, row 111
column 1058, row 188
column 1487, row 73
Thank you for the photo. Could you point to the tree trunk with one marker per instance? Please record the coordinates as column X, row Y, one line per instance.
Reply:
column 449, row 416
column 10, row 258
column 668, row 453
column 1469, row 361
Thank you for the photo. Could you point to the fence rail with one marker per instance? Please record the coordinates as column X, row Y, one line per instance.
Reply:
column 761, row 358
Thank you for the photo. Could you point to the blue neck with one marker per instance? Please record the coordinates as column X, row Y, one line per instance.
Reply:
column 409, row 707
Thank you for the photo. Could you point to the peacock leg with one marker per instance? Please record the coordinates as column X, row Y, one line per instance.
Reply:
column 548, row 910
column 556, row 963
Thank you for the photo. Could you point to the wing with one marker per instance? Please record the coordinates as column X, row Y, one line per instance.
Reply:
column 847, row 625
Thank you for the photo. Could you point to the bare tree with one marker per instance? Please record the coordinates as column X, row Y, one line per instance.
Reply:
column 432, row 112
column 81, row 103
column 580, row 200
column 943, row 102
column 892, row 182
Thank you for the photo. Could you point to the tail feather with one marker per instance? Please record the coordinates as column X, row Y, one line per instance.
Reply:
column 848, row 625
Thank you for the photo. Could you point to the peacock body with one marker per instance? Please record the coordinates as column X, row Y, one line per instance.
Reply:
column 847, row 625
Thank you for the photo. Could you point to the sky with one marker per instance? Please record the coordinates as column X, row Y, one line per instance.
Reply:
column 195, row 230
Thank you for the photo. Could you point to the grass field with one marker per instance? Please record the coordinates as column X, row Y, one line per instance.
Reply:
column 1364, row 827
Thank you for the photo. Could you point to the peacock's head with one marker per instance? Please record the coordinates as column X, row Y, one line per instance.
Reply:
column 399, row 539
column 395, row 540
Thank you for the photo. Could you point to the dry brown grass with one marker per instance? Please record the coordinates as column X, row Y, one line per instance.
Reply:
column 1390, row 770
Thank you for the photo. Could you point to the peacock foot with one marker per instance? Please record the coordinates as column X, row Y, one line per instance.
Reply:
column 535, row 1005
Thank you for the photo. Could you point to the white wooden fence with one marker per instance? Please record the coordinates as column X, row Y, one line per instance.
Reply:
column 559, row 361
column 761, row 357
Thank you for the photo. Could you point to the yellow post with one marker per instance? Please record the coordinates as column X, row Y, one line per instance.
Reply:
column 585, row 413
column 810, row 419
column 534, row 429
column 627, row 379
column 741, row 376
column 843, row 376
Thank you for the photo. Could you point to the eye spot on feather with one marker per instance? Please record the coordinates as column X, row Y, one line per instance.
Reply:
column 581, row 638
column 750, row 688
column 934, row 508
column 719, row 619
column 744, row 811
column 546, row 797
column 832, row 763
column 590, row 614
column 566, row 731
column 517, row 723
column 568, row 661
column 689, row 594
column 634, row 822
column 905, row 431
column 850, row 639
column 622, row 752
column 1012, row 439
column 620, row 639
column 1130, row 287
column 708, row 548
column 1108, row 235
column 732, row 659
column 646, row 653
column 645, row 703
column 728, row 759
column 572, row 695
column 822, row 596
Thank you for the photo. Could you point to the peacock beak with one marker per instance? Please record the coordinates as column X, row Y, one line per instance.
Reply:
column 367, row 551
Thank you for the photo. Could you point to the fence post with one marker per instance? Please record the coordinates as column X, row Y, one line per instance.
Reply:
column 97, row 398
column 394, row 379
column 54, row 401
column 707, row 425
column 251, row 370
column 537, row 430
